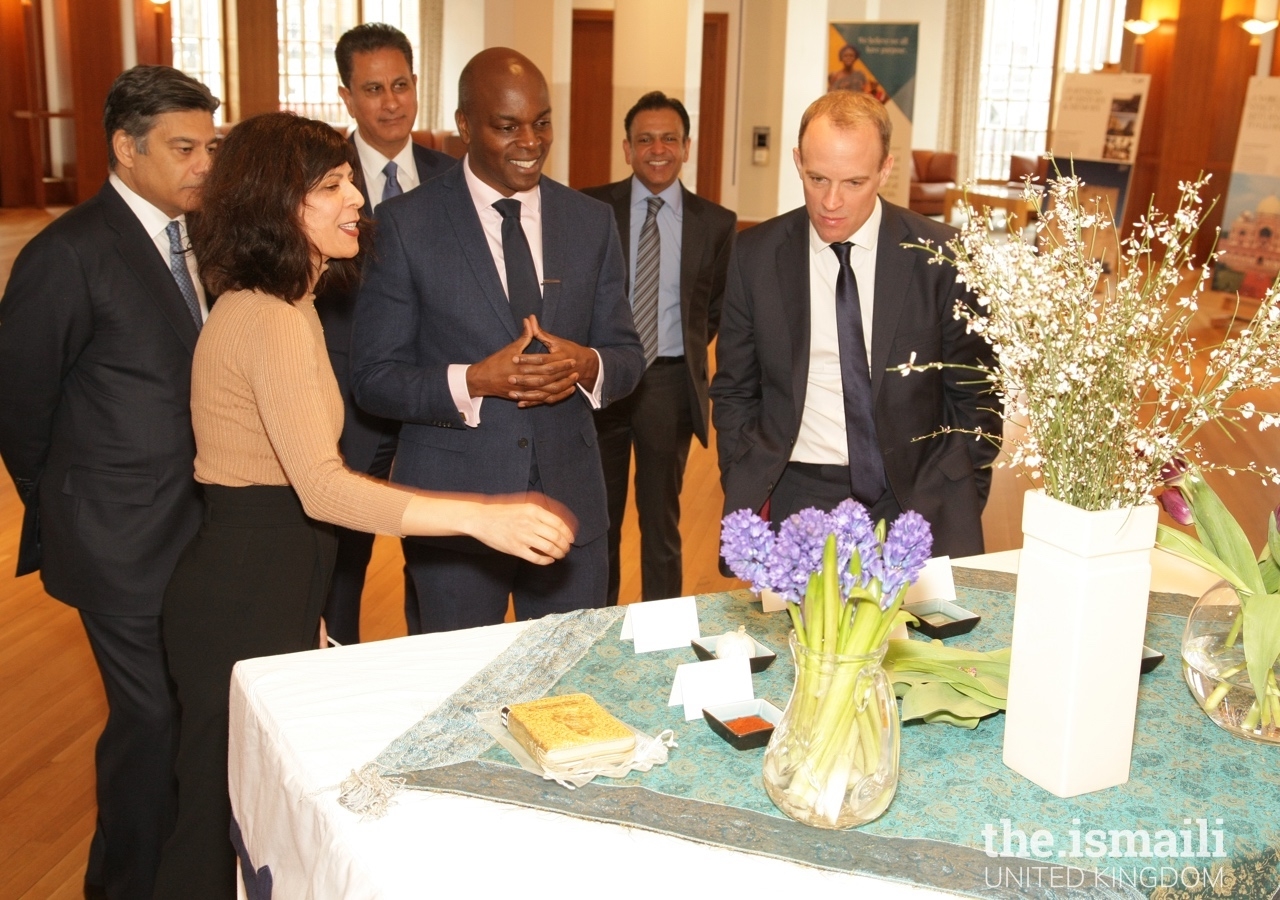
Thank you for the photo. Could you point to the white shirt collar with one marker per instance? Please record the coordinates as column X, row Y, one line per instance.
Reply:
column 483, row 196
column 152, row 219
column 867, row 237
column 373, row 162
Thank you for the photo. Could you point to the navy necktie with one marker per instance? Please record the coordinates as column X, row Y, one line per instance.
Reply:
column 392, row 187
column 181, row 274
column 523, row 291
column 866, row 466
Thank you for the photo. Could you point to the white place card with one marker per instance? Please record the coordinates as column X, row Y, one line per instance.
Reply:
column 661, row 624
column 711, row 683
column 935, row 582
column 772, row 602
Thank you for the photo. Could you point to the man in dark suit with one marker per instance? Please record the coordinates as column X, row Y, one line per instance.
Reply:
column 99, row 321
column 491, row 321
column 375, row 63
column 677, row 256
column 821, row 302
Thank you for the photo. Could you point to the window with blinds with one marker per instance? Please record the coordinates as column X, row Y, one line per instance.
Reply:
column 198, row 44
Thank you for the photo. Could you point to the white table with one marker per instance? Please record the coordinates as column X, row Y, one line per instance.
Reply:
column 302, row 722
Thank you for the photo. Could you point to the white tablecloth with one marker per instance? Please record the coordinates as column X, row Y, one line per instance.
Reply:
column 300, row 723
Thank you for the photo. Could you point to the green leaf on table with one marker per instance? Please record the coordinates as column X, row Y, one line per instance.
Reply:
column 1270, row 572
column 1188, row 548
column 1273, row 539
column 1221, row 534
column 1261, row 638
column 930, row 701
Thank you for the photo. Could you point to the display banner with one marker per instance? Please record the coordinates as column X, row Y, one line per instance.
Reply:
column 1096, row 130
column 1250, row 239
column 879, row 58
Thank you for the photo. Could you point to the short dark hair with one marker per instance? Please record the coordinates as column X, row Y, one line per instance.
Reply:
column 657, row 100
column 249, row 234
column 140, row 94
column 367, row 38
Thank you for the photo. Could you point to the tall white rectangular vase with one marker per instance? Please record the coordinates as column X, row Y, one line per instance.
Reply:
column 1079, row 618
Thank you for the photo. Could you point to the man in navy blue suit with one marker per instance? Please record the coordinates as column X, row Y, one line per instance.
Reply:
column 375, row 63
column 492, row 320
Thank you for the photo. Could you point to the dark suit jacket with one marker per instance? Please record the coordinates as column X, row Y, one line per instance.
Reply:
column 432, row 297
column 706, row 239
column 362, row 432
column 95, row 428
column 762, row 363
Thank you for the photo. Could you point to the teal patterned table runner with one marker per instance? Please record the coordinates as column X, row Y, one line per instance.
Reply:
column 956, row 800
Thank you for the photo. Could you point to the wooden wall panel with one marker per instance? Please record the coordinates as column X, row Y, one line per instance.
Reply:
column 253, row 58
column 17, row 168
column 96, row 54
column 591, row 126
column 710, row 145
column 153, row 25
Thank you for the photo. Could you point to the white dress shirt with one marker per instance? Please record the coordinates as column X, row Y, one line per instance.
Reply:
column 373, row 162
column 155, row 222
column 484, row 196
column 822, row 436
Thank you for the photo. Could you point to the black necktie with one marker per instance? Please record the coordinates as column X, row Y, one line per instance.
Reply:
column 523, row 292
column 866, row 466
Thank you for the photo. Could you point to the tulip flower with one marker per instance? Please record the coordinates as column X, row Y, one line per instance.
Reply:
column 1176, row 506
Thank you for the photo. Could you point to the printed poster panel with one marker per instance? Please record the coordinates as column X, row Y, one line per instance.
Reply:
column 1099, row 117
column 879, row 58
column 1250, row 239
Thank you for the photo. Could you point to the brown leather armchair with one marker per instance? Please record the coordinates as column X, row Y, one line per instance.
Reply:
column 932, row 173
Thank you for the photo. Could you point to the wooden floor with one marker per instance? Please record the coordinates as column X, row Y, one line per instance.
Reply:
column 51, row 702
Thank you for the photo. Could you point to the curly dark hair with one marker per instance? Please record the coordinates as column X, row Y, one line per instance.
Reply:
column 248, row 234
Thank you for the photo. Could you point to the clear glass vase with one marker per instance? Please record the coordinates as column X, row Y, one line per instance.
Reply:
column 1214, row 667
column 833, row 759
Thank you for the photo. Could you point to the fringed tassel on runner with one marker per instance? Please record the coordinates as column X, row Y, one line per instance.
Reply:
column 367, row 793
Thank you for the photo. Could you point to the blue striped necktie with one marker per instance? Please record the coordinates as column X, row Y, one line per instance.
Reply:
column 644, row 303
column 181, row 274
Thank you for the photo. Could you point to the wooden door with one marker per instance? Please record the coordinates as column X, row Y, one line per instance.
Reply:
column 591, row 98
column 715, row 55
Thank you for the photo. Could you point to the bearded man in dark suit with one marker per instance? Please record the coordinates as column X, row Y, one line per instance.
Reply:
column 491, row 321
column 677, row 249
column 375, row 63
column 821, row 303
column 99, row 321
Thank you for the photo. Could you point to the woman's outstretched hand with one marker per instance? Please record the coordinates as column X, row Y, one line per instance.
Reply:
column 531, row 528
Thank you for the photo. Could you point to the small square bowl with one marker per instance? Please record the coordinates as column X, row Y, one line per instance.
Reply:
column 760, row 660
column 1150, row 659
column 718, row 716
column 941, row 618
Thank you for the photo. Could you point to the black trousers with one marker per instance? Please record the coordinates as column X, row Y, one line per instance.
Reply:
column 136, row 791
column 251, row 583
column 657, row 420
column 825, row 487
column 342, row 606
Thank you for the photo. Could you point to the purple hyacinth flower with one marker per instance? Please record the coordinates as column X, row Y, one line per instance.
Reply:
column 906, row 550
column 746, row 543
column 797, row 552
column 855, row 533
column 1175, row 504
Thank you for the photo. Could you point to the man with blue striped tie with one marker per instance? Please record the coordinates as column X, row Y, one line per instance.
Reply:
column 677, row 249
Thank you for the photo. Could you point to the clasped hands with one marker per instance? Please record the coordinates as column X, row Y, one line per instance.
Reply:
column 534, row 379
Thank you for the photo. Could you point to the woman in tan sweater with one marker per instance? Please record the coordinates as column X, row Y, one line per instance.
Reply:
column 280, row 211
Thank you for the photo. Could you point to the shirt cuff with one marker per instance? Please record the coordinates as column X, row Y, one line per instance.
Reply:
column 593, row 396
column 468, row 406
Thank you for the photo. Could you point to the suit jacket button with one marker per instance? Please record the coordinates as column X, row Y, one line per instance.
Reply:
column 522, row 443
